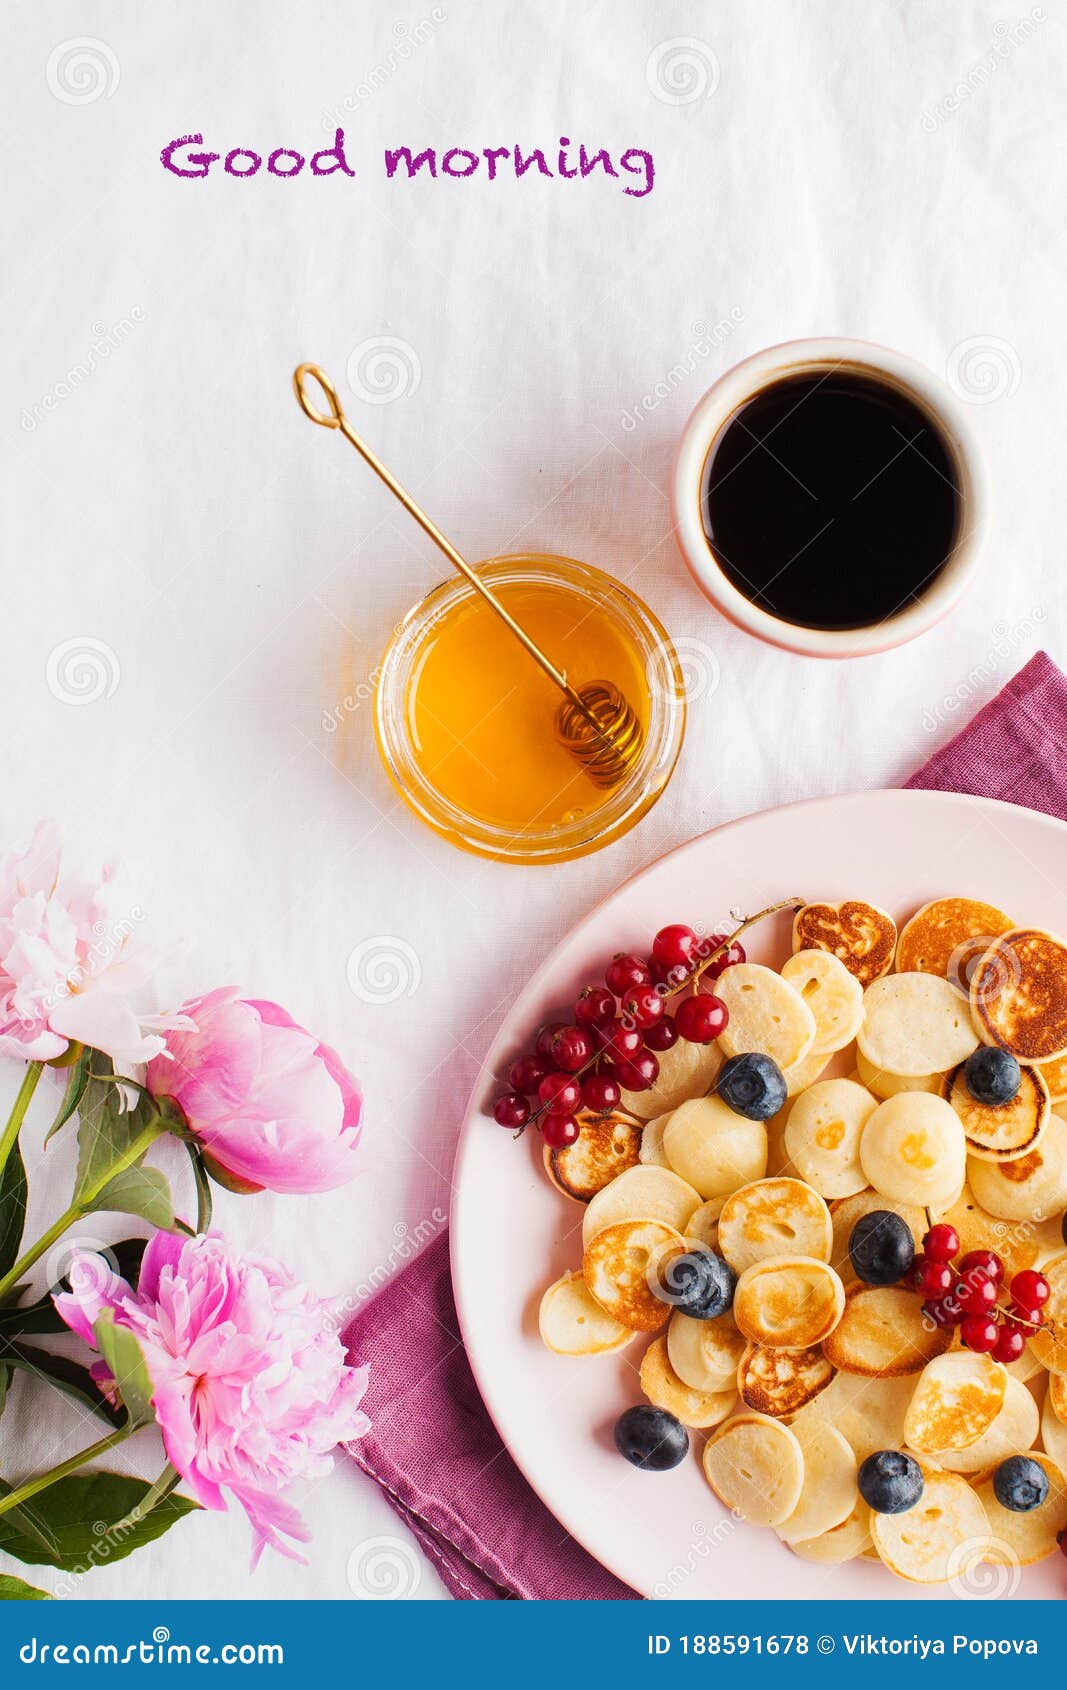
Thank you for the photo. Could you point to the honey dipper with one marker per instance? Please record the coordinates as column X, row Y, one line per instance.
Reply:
column 594, row 722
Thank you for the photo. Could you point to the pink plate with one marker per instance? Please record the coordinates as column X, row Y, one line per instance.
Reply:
column 666, row 1534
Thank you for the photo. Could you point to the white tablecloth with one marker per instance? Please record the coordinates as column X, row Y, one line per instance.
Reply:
column 196, row 579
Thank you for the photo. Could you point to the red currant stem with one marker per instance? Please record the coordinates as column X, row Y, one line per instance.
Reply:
column 743, row 927
column 1031, row 1325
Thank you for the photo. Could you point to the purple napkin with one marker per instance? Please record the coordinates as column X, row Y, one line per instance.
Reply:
column 432, row 1447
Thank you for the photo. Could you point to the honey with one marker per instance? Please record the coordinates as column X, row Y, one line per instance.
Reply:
column 467, row 722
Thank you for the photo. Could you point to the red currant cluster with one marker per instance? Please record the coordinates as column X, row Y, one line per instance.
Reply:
column 619, row 1032
column 967, row 1294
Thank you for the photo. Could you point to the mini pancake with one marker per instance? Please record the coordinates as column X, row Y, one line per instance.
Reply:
column 605, row 1147
column 834, row 996
column 572, row 1323
column 841, row 1543
column 755, row 1466
column 703, row 1223
column 884, row 1085
column 714, row 1148
column 781, row 1382
column 913, row 1150
column 788, row 1301
column 849, row 1210
column 1028, row 1188
column 828, row 1494
column 652, row 1153
column 942, row 1537
column 1057, row 1396
column 948, row 936
column 1019, row 994
column 1018, row 1540
column 766, row 1014
column 860, row 935
column 705, row 1354
column 823, row 1134
column 1000, row 1132
column 956, row 1400
column 686, row 1070
column 915, row 1024
column 619, row 1267
column 1054, row 1075
column 1050, row 1343
column 1024, row 1245
column 1054, row 1436
column 869, row 1412
column 641, row 1194
column 773, row 1217
column 804, row 1073
column 664, row 1389
column 882, row 1334
column 1013, row 1431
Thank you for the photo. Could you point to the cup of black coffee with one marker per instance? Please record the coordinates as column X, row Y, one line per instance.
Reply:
column 829, row 497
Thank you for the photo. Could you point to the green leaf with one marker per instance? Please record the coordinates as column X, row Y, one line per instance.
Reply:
column 138, row 1191
column 5, row 1385
column 204, row 1198
column 16, row 1590
column 77, row 1080
column 122, row 1352
column 13, row 1190
column 68, row 1376
column 105, row 1133
column 40, row 1320
column 79, row 1512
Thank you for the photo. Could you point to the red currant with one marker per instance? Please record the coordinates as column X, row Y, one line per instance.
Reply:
column 559, row 1130
column 942, row 1243
column 1010, row 1345
column 730, row 957
column 985, row 1262
column 572, row 1048
column 620, row 1042
column 600, row 1093
column 1031, row 1317
column 559, row 1093
column 595, row 1006
column 644, row 1006
column 980, row 1333
column 942, row 1313
column 624, row 972
column 701, row 1018
column 931, row 1279
column 1031, row 1290
column 977, row 1295
column 511, row 1110
column 543, row 1041
column 663, row 1035
column 671, row 979
column 675, row 946
column 638, row 1074
column 526, row 1073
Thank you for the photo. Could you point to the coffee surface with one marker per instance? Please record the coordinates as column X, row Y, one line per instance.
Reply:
column 831, row 500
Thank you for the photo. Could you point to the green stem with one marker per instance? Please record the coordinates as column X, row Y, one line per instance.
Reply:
column 162, row 1488
column 9, row 1136
column 84, row 1204
column 15, row 1498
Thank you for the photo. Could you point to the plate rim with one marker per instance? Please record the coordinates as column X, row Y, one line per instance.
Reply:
column 474, row 1118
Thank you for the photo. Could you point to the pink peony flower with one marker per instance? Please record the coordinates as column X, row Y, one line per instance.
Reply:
column 249, row 1381
column 68, row 967
column 270, row 1105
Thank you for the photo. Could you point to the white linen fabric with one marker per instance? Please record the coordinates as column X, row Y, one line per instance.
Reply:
column 197, row 580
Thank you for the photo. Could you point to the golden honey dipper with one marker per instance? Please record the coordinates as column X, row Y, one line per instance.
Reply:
column 594, row 722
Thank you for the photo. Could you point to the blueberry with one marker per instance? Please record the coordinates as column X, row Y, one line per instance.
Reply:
column 752, row 1085
column 699, row 1283
column 881, row 1247
column 1020, row 1484
column 890, row 1482
column 993, row 1075
column 651, row 1438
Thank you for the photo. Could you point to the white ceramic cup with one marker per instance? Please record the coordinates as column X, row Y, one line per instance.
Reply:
column 797, row 357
